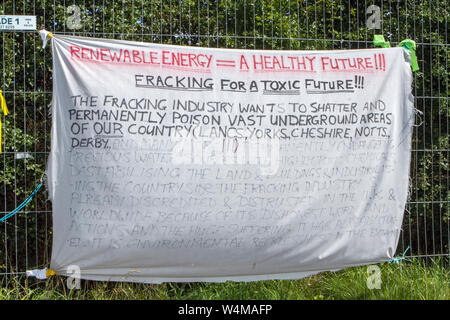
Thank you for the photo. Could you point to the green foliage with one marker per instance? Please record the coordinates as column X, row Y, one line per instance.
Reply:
column 416, row 280
column 262, row 24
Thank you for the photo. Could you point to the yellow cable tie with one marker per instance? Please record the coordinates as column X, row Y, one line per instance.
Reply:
column 5, row 112
column 50, row 272
column 3, row 103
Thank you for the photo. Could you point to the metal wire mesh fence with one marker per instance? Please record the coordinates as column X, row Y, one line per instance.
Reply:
column 26, row 81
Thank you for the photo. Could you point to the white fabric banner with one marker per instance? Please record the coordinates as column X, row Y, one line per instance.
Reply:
column 173, row 163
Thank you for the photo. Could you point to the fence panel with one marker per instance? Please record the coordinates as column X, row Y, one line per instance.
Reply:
column 26, row 81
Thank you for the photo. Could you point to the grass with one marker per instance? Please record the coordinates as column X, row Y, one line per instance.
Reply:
column 418, row 279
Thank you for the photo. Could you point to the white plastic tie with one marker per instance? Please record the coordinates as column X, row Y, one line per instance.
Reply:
column 45, row 35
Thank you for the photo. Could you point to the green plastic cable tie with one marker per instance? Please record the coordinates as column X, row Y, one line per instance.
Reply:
column 378, row 41
column 410, row 45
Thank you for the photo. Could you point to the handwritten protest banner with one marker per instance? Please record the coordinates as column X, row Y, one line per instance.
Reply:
column 173, row 163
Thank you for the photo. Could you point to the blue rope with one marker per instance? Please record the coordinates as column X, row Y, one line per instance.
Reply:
column 23, row 204
column 398, row 259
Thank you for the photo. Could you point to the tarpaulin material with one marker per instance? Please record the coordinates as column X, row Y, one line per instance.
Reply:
column 172, row 163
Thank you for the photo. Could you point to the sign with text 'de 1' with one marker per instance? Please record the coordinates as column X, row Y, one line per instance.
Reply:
column 172, row 163
column 13, row 23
